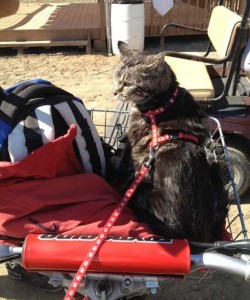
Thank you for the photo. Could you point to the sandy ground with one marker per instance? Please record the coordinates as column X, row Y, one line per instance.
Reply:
column 90, row 77
column 86, row 76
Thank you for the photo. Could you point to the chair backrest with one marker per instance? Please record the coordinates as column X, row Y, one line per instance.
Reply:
column 221, row 29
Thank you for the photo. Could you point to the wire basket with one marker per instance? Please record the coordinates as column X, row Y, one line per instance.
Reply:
column 111, row 124
column 235, row 218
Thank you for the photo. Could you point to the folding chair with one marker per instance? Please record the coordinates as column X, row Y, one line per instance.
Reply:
column 213, row 81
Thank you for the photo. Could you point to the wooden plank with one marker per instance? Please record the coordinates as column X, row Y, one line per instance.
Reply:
column 178, row 14
column 151, row 19
column 23, row 13
column 95, row 16
column 57, row 19
column 74, row 12
column 78, row 17
column 47, row 44
column 88, row 16
column 102, row 18
column 53, row 21
column 205, row 23
column 44, row 43
column 71, row 17
column 9, row 8
column 67, row 20
column 84, row 16
column 39, row 20
column 242, row 5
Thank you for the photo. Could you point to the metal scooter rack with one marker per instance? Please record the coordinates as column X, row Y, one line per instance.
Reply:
column 233, row 217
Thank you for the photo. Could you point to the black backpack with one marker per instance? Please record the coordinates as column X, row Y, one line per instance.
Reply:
column 36, row 112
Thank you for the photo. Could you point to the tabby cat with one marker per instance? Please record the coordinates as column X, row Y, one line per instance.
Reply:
column 183, row 195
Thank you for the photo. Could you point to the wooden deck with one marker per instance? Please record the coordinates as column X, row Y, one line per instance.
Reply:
column 52, row 25
column 76, row 24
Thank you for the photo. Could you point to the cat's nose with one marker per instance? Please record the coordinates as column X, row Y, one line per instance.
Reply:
column 115, row 92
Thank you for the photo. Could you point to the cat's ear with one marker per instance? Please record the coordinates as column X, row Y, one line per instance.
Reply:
column 124, row 49
column 157, row 60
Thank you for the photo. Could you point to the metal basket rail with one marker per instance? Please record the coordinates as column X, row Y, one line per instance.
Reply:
column 111, row 124
column 235, row 218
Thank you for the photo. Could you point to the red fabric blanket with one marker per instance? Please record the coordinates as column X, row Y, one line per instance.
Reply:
column 48, row 192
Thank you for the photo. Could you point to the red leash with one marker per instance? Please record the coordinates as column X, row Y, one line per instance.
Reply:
column 116, row 213
column 105, row 230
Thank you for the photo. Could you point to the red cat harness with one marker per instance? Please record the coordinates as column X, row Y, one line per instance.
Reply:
column 156, row 140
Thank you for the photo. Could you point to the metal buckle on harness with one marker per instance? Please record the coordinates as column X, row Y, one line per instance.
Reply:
column 151, row 157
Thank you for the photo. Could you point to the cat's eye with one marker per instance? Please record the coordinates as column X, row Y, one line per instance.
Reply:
column 127, row 84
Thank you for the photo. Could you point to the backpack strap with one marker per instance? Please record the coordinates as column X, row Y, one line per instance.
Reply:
column 9, row 108
column 27, row 82
column 35, row 91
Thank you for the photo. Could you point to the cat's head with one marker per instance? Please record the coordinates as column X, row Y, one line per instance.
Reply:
column 141, row 76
